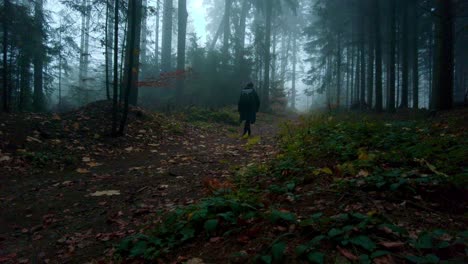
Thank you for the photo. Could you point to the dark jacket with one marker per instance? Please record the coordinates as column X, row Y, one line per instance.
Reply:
column 248, row 105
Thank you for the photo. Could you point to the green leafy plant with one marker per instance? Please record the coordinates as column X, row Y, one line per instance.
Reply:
column 224, row 115
column 211, row 216
column 345, row 230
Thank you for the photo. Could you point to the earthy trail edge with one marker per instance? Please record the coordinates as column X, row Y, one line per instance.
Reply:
column 53, row 217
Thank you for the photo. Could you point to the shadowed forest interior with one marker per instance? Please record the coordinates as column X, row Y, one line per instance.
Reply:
column 123, row 139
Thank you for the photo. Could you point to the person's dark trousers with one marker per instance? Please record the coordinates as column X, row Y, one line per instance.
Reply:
column 247, row 127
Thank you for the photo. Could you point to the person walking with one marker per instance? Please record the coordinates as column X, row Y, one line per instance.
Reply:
column 248, row 106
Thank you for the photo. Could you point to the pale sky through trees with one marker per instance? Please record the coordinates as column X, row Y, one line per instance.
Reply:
column 195, row 9
column 198, row 15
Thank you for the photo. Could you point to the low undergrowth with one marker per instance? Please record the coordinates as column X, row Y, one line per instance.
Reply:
column 205, row 116
column 343, row 189
column 210, row 216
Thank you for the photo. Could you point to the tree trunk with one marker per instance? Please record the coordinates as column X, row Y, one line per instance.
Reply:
column 338, row 72
column 167, row 37
column 60, row 81
column 227, row 31
column 181, row 41
column 273, row 60
column 39, row 54
column 398, row 76
column 348, row 76
column 122, row 64
column 405, row 56
column 156, row 41
column 294, row 63
column 362, row 89
column 217, row 34
column 82, row 44
column 370, row 62
column 446, row 55
column 86, row 46
column 329, row 74
column 351, row 72
column 106, row 48
column 5, row 52
column 378, row 58
column 132, row 60
column 267, row 55
column 258, row 38
column 132, row 53
column 243, row 19
column 25, row 80
column 116, row 69
column 60, row 68
column 241, row 41
column 430, row 66
column 399, row 81
column 285, row 47
column 355, row 100
column 392, row 61
column 144, row 33
column 435, row 94
column 415, row 38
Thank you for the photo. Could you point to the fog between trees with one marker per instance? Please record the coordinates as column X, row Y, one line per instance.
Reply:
column 359, row 54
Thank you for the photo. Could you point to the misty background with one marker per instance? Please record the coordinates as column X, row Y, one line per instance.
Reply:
column 300, row 55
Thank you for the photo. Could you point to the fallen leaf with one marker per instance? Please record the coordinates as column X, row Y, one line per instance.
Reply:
column 31, row 139
column 163, row 187
column 71, row 249
column 392, row 244
column 56, row 141
column 86, row 159
column 6, row 258
column 347, row 253
column 107, row 193
column 363, row 173
column 195, row 261
column 81, row 170
column 93, row 164
column 388, row 259
column 36, row 228
column 4, row 158
column 431, row 167
column 243, row 239
column 81, row 245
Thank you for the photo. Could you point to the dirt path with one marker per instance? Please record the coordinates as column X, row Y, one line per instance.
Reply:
column 53, row 217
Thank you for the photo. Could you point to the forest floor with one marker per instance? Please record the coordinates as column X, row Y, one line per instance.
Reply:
column 69, row 192
column 187, row 188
